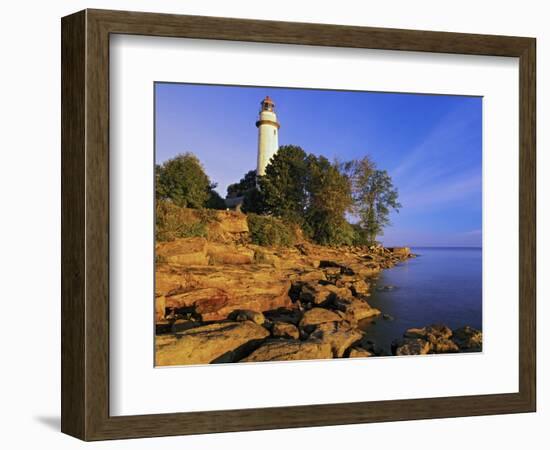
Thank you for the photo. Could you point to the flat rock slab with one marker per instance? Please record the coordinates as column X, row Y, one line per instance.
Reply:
column 317, row 316
column 355, row 309
column 290, row 350
column 285, row 330
column 217, row 342
column 339, row 335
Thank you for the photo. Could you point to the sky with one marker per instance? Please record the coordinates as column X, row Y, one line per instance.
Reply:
column 431, row 145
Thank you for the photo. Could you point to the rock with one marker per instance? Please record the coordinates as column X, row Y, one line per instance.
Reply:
column 444, row 346
column 215, row 310
column 313, row 275
column 241, row 315
column 167, row 282
column 218, row 342
column 164, row 340
column 431, row 333
column 180, row 325
column 332, row 272
column 339, row 335
column 213, row 292
column 284, row 330
column 314, row 293
column 387, row 317
column 289, row 350
column 229, row 254
column 287, row 315
column 355, row 309
column 188, row 251
column 163, row 326
column 362, row 269
column 228, row 222
column 413, row 347
column 414, row 333
column 160, row 308
column 359, row 288
column 468, row 339
column 322, row 293
column 400, row 251
column 358, row 352
column 211, row 296
column 264, row 256
column 317, row 316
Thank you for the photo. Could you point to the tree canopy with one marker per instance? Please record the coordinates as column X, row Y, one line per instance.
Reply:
column 183, row 181
column 374, row 196
column 246, row 183
column 283, row 186
column 329, row 194
column 310, row 191
column 299, row 188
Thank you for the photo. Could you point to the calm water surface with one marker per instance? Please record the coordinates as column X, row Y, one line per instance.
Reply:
column 442, row 285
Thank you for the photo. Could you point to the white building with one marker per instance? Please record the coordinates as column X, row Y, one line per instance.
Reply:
column 268, row 134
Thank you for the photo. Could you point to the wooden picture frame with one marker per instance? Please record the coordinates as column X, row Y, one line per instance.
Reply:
column 85, row 224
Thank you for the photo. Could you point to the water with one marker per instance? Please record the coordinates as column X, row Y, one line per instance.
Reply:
column 442, row 285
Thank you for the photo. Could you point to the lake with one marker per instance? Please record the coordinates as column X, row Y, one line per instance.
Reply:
column 442, row 285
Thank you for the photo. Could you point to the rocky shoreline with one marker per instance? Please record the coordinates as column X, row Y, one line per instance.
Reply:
column 229, row 301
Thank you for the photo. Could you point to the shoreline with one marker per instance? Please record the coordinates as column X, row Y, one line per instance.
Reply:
column 236, row 302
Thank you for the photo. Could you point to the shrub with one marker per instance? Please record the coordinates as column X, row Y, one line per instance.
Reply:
column 269, row 231
column 173, row 222
column 361, row 237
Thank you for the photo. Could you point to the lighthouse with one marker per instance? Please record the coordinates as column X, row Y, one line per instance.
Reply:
column 268, row 134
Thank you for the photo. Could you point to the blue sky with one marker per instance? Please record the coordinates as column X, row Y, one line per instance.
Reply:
column 431, row 145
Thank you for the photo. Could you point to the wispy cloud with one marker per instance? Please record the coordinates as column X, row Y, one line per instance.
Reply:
column 438, row 171
column 426, row 156
column 457, row 187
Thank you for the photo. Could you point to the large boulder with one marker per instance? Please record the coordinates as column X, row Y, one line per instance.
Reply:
column 413, row 347
column 403, row 252
column 322, row 293
column 213, row 292
column 217, row 342
column 359, row 288
column 443, row 345
column 160, row 308
column 187, row 251
column 431, row 333
column 289, row 350
column 339, row 335
column 229, row 254
column 214, row 297
column 468, row 339
column 439, row 339
column 317, row 316
column 218, row 309
column 285, row 330
column 167, row 281
column 227, row 223
column 360, row 268
column 240, row 315
column 312, row 276
column 359, row 352
column 355, row 309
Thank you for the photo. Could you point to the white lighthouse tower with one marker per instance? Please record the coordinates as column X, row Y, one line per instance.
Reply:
column 268, row 134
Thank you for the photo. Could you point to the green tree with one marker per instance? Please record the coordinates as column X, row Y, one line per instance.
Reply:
column 374, row 197
column 253, row 201
column 329, row 192
column 183, row 181
column 246, row 183
column 214, row 201
column 283, row 186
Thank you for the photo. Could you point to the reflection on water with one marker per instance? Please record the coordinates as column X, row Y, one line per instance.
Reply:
column 442, row 285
